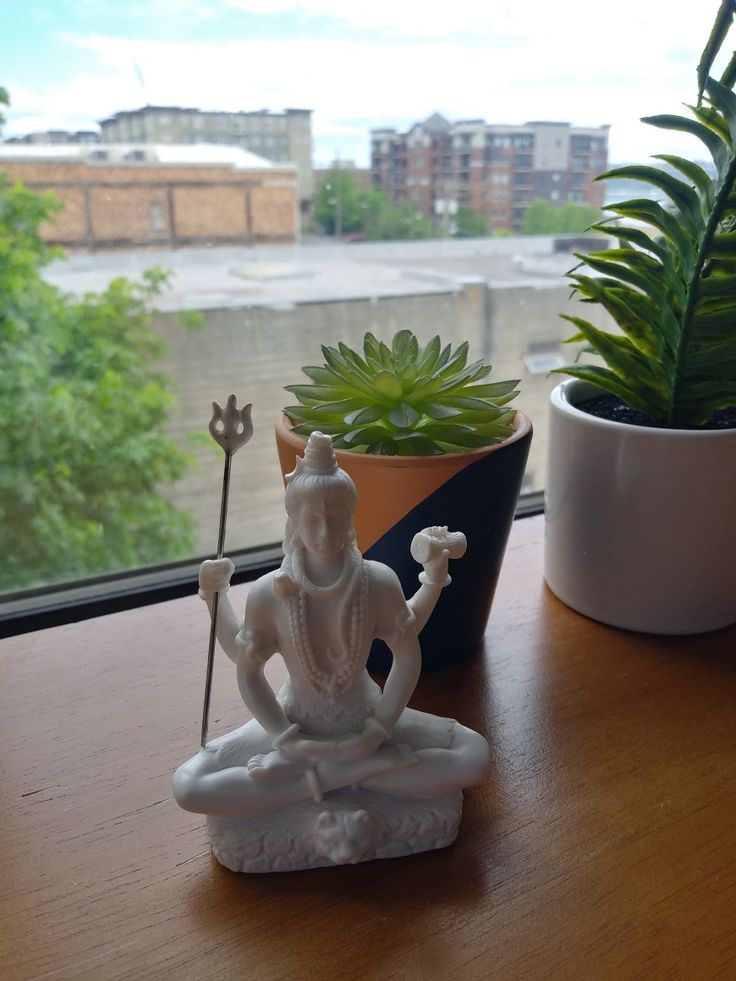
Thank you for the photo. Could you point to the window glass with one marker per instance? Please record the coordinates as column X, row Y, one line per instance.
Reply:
column 241, row 113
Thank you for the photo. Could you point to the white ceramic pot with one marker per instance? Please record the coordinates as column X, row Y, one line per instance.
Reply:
column 640, row 522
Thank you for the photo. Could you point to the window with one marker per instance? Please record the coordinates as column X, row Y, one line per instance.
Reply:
column 156, row 217
column 240, row 253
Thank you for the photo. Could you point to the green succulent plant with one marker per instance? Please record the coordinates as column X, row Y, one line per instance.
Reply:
column 404, row 400
column 672, row 291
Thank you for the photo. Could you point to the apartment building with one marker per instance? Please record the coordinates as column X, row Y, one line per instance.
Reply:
column 497, row 170
column 278, row 136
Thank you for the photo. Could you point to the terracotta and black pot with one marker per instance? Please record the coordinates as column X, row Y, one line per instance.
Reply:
column 474, row 492
column 640, row 527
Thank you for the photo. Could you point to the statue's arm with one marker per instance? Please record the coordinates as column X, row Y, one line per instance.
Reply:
column 214, row 577
column 433, row 547
column 255, row 644
column 422, row 604
column 402, row 678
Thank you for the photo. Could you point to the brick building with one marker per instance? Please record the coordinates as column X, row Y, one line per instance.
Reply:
column 282, row 137
column 122, row 196
column 497, row 170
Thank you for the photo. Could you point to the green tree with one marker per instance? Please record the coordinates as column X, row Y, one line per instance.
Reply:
column 82, row 448
column 390, row 222
column 544, row 218
column 469, row 223
column 342, row 207
column 339, row 206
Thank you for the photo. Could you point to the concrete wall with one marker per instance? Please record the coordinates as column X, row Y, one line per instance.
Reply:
column 255, row 351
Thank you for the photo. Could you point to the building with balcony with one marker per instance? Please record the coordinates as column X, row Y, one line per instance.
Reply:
column 496, row 170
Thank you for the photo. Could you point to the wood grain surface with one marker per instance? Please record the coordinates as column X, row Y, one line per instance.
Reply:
column 602, row 846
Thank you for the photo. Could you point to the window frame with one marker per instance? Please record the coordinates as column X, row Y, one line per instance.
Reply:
column 34, row 609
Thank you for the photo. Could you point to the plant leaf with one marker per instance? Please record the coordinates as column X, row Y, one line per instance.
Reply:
column 720, row 29
column 388, row 385
column 404, row 416
column 683, row 124
column 682, row 196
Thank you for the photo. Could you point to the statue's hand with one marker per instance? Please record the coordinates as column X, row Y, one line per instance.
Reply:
column 346, row 749
column 435, row 567
column 434, row 547
column 214, row 576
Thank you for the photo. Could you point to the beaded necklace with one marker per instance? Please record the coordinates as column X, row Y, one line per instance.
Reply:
column 351, row 588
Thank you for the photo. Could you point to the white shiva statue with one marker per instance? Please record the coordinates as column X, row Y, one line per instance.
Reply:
column 332, row 769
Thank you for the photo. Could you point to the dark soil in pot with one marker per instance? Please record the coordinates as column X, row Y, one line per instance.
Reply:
column 612, row 408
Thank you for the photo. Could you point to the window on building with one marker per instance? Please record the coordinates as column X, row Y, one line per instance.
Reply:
column 157, row 217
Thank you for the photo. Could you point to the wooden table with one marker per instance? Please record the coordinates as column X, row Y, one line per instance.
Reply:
column 602, row 846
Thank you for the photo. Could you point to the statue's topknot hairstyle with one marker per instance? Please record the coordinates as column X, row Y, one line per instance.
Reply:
column 318, row 470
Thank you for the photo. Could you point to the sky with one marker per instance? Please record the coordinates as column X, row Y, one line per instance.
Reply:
column 359, row 66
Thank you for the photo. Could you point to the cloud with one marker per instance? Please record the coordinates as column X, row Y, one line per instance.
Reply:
column 550, row 64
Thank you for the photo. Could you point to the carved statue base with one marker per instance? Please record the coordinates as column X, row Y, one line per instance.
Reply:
column 349, row 825
column 346, row 828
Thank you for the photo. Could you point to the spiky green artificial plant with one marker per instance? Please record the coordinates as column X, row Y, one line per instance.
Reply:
column 404, row 400
column 672, row 290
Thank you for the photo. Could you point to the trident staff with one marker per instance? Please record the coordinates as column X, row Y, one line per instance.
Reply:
column 230, row 428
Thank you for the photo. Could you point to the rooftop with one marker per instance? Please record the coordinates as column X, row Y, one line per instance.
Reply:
column 318, row 272
column 166, row 154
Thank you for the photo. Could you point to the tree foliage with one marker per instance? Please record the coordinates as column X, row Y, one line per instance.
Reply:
column 544, row 218
column 82, row 448
column 469, row 223
column 342, row 207
column 671, row 290
column 340, row 202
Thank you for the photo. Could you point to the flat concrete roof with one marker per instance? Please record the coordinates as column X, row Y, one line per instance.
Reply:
column 317, row 272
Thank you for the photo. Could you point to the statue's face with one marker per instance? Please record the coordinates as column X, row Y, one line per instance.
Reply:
column 324, row 523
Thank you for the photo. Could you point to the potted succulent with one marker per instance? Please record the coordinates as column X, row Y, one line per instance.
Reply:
column 640, row 525
column 427, row 441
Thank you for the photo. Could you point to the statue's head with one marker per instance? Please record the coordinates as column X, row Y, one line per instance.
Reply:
column 320, row 496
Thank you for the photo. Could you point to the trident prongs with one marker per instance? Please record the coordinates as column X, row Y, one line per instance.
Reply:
column 230, row 428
